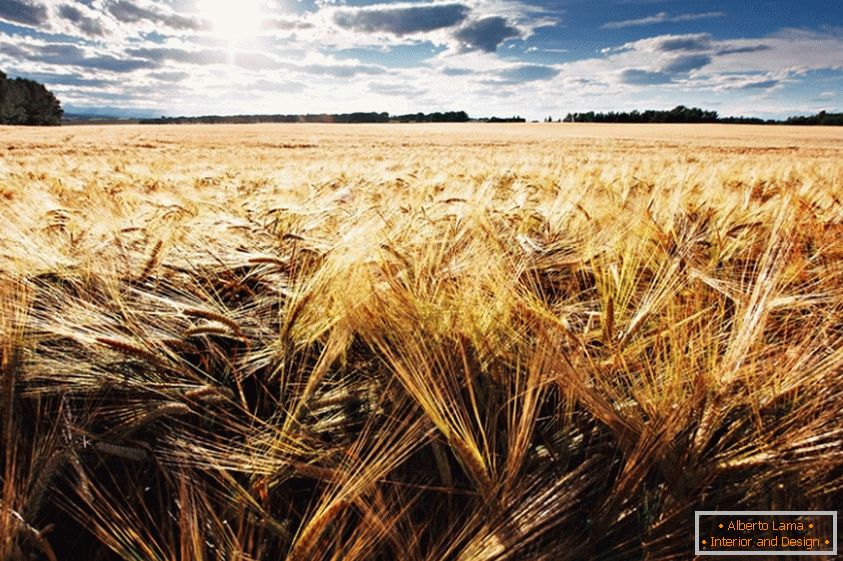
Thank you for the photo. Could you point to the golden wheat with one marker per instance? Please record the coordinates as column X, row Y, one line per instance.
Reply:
column 421, row 342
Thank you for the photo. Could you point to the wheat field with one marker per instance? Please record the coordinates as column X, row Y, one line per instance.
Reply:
column 417, row 342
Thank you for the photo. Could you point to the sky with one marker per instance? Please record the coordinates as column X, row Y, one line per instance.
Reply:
column 533, row 58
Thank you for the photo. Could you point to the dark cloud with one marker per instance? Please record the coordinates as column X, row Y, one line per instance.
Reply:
column 251, row 60
column 108, row 62
column 640, row 77
column 27, row 13
column 52, row 79
column 528, row 73
column 171, row 54
column 760, row 85
column 128, row 12
column 70, row 55
column 170, row 76
column 485, row 34
column 452, row 71
column 87, row 25
column 745, row 82
column 13, row 51
column 661, row 17
column 402, row 20
column 683, row 43
column 341, row 70
column 686, row 63
column 286, row 24
column 751, row 49
column 581, row 81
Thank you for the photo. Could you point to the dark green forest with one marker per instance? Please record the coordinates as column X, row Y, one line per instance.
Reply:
column 26, row 102
column 358, row 117
column 821, row 118
column 682, row 114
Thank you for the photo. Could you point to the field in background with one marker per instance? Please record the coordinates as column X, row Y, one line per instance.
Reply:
column 425, row 342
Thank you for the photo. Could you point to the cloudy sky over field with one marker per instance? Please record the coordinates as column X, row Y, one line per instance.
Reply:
column 533, row 58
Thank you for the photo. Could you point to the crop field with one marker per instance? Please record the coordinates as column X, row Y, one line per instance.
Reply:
column 418, row 342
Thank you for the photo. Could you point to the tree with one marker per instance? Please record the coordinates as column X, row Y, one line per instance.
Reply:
column 679, row 114
column 26, row 102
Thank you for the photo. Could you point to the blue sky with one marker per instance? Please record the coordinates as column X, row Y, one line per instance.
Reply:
column 768, row 58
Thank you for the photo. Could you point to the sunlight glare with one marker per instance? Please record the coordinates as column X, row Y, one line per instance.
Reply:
column 233, row 20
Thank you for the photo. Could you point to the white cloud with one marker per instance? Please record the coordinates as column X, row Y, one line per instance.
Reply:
column 292, row 63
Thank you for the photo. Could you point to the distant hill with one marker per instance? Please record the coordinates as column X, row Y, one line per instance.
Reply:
column 85, row 113
column 26, row 102
column 96, row 119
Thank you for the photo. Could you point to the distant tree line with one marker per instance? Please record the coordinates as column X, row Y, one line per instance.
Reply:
column 437, row 117
column 748, row 121
column 359, row 117
column 682, row 114
column 821, row 118
column 679, row 114
column 26, row 102
column 515, row 119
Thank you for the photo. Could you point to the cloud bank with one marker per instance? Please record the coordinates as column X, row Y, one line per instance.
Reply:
column 484, row 56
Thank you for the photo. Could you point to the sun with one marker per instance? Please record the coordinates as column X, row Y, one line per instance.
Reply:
column 233, row 20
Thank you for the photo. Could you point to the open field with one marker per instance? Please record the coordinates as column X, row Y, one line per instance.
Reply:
column 421, row 342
